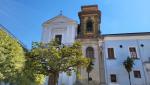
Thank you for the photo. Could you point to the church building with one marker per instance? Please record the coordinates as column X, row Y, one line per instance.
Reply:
column 107, row 51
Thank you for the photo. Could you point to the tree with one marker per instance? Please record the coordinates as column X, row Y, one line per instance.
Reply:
column 51, row 59
column 29, row 76
column 128, row 64
column 11, row 57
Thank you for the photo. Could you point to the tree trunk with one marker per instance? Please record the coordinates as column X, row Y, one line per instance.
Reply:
column 88, row 77
column 129, row 78
column 53, row 78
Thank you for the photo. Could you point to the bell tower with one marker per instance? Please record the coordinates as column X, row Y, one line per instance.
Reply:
column 88, row 33
column 90, row 19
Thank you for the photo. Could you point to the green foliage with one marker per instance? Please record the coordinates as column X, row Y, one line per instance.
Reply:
column 51, row 58
column 90, row 66
column 11, row 57
column 128, row 64
column 28, row 76
column 57, row 58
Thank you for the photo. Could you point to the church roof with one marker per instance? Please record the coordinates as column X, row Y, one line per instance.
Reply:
column 59, row 19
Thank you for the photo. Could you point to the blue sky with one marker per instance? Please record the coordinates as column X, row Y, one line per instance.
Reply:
column 23, row 18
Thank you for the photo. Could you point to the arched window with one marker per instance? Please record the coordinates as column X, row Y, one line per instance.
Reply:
column 90, row 52
column 78, row 29
column 89, row 26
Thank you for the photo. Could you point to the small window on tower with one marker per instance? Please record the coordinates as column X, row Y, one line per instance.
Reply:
column 89, row 26
column 58, row 39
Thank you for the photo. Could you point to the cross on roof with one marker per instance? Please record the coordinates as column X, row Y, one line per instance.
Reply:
column 61, row 13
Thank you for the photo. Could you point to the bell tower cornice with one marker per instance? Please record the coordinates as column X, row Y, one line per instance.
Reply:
column 90, row 19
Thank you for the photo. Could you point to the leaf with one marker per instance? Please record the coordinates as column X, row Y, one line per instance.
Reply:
column 51, row 58
column 12, row 57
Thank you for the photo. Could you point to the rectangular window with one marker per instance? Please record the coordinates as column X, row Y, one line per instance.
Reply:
column 111, row 53
column 113, row 78
column 133, row 52
column 137, row 74
column 58, row 39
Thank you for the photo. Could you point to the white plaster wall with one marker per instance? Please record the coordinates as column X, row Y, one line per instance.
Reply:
column 68, row 31
column 145, row 54
column 115, row 66
column 145, row 50
column 95, row 72
column 45, row 35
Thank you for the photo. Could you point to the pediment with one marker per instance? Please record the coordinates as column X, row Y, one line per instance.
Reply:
column 59, row 19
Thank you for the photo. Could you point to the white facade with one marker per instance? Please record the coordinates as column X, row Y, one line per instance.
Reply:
column 120, row 43
column 60, row 25
column 141, row 42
